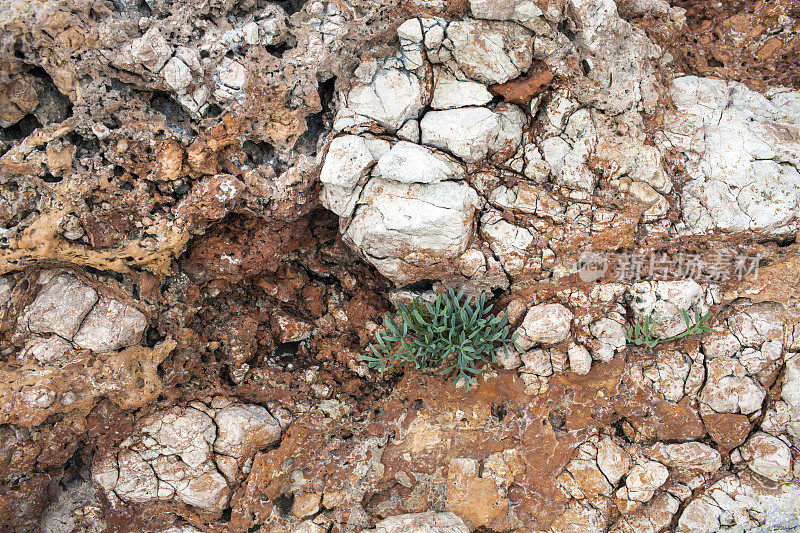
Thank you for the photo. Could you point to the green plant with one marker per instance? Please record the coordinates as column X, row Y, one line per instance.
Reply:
column 641, row 333
column 449, row 332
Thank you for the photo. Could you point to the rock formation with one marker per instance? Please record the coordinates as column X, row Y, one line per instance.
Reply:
column 206, row 208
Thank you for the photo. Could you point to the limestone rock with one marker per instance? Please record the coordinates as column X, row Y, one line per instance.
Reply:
column 768, row 456
column 608, row 338
column 347, row 162
column 791, row 393
column 644, row 479
column 490, row 52
column 393, row 96
column 429, row 522
column 613, row 460
column 580, row 360
column 688, row 455
column 60, row 306
column 178, row 453
column 177, row 75
column 729, row 390
column 468, row 133
column 735, row 503
column 669, row 374
column 742, row 152
column 399, row 225
column 411, row 163
column 544, row 324
column 450, row 92
column 243, row 429
column 111, row 325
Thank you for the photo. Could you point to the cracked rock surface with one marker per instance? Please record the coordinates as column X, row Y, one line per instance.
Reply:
column 207, row 208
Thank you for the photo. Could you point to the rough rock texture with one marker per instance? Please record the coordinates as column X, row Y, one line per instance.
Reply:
column 429, row 522
column 742, row 156
column 206, row 209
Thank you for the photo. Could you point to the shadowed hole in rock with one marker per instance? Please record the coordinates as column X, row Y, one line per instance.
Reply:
column 53, row 105
column 499, row 411
column 285, row 352
column 23, row 128
column 153, row 338
column 619, row 431
column 278, row 49
column 318, row 123
column 176, row 117
column 258, row 153
column 284, row 503
column 558, row 421
column 564, row 28
column 213, row 111
column 419, row 286
column 292, row 6
column 119, row 278
column 49, row 178
column 417, row 405
column 131, row 6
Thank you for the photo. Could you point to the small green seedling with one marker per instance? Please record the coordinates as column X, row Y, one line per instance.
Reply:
column 449, row 333
column 641, row 333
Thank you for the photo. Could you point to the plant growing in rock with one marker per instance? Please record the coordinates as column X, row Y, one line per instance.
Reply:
column 641, row 333
column 454, row 333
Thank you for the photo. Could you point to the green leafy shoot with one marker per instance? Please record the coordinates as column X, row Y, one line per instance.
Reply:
column 641, row 333
column 454, row 334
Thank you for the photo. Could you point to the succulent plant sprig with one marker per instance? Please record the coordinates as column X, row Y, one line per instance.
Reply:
column 454, row 334
column 641, row 333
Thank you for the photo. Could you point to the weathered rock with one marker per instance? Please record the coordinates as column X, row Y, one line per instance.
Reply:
column 580, row 360
column 402, row 228
column 490, row 52
column 729, row 390
column 430, row 522
column 669, row 374
column 735, row 503
column 642, row 481
column 178, row 453
column 742, row 152
column 791, row 393
column 60, row 307
column 474, row 499
column 687, row 455
column 728, row 430
column 243, row 429
column 468, row 133
column 450, row 92
column 544, row 324
column 393, row 96
column 306, row 504
column 613, row 460
column 110, row 325
column 589, row 478
column 347, row 162
column 608, row 338
column 768, row 456
column 411, row 163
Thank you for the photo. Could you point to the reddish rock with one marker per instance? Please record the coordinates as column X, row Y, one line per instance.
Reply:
column 522, row 90
column 472, row 498
column 728, row 430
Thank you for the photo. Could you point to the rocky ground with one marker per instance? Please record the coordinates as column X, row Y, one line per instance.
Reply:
column 207, row 207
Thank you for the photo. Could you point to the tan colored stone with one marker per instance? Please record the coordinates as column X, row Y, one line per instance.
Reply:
column 476, row 500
